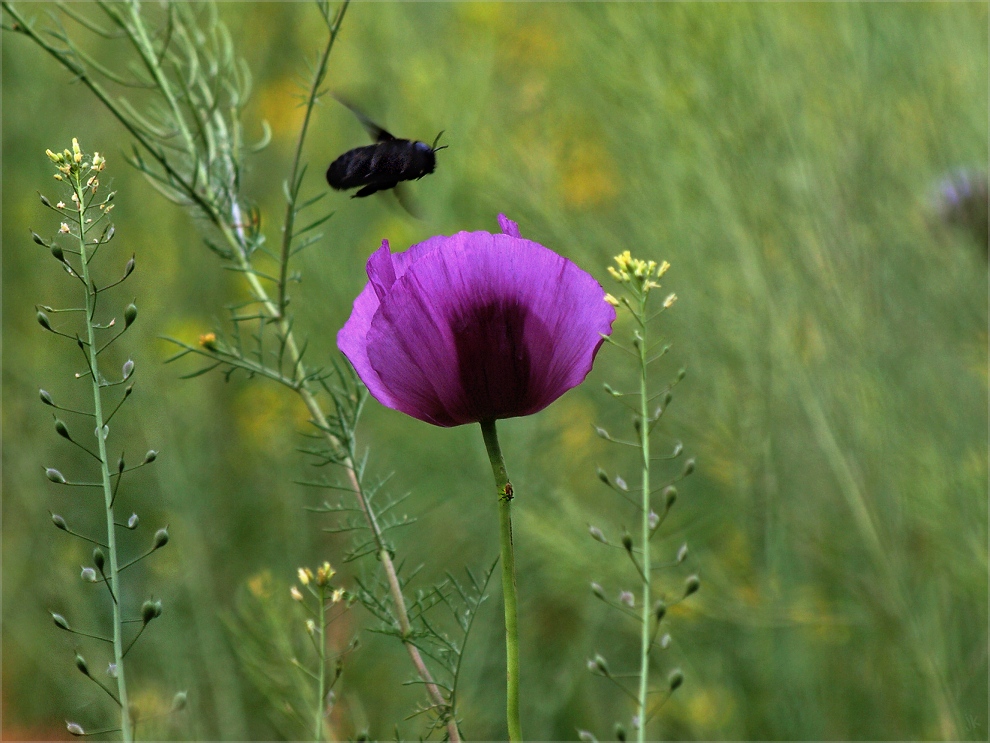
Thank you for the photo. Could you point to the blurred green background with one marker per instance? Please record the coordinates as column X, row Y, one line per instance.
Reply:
column 782, row 157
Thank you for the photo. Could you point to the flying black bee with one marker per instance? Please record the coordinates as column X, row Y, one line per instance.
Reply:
column 383, row 165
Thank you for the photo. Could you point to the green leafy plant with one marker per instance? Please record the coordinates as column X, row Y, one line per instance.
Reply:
column 638, row 280
column 85, row 228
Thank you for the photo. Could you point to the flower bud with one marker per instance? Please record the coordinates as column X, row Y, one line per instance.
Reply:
column 55, row 476
column 60, row 621
column 597, row 534
column 598, row 664
column 598, row 591
column 653, row 519
column 675, row 679
column 296, row 594
column 99, row 559
column 691, row 585
column 59, row 522
column 38, row 239
column 151, row 456
column 46, row 398
column 55, row 158
column 688, row 467
column 324, row 573
column 130, row 315
column 128, row 368
column 61, row 430
column 133, row 521
column 43, row 321
column 88, row 575
column 179, row 701
column 81, row 665
column 305, row 576
column 74, row 728
column 160, row 539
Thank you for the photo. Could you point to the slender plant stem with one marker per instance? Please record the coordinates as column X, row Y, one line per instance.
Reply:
column 118, row 642
column 294, row 179
column 322, row 693
column 644, row 443
column 504, row 488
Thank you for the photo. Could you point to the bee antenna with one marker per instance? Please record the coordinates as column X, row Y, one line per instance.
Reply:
column 434, row 147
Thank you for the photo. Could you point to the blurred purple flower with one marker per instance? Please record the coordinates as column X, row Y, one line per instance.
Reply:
column 474, row 327
column 963, row 199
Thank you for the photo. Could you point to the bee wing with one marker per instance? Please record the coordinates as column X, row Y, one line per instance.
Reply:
column 374, row 131
column 406, row 201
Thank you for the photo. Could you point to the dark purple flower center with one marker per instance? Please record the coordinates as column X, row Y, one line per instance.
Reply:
column 493, row 343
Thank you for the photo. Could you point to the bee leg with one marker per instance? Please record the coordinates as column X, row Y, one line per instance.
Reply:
column 366, row 191
column 372, row 188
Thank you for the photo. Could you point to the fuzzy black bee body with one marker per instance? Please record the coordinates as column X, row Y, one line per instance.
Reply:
column 383, row 165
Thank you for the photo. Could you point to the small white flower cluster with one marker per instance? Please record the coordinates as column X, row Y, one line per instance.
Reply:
column 321, row 578
column 640, row 275
column 72, row 163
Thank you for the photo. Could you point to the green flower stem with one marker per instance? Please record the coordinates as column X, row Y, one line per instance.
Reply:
column 646, row 638
column 108, row 490
column 322, row 626
column 508, row 579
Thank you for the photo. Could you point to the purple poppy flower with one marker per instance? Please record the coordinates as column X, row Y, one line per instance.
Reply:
column 474, row 327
